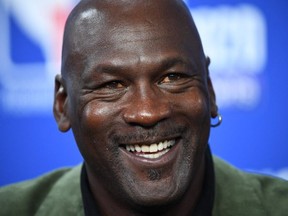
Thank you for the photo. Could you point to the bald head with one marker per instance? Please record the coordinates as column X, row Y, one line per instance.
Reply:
column 94, row 26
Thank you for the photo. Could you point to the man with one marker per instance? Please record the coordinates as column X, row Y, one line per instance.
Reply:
column 136, row 91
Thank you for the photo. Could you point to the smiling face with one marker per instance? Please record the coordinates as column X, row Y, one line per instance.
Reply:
column 134, row 90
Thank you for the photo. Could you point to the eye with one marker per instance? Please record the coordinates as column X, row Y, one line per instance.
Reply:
column 172, row 77
column 105, row 90
column 113, row 85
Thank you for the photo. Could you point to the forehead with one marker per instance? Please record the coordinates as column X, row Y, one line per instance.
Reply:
column 134, row 31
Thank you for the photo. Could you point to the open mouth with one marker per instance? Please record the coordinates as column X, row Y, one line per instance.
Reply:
column 151, row 151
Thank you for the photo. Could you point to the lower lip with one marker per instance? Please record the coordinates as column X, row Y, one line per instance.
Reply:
column 168, row 157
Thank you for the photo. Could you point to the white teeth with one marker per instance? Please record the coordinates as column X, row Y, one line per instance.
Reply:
column 165, row 145
column 160, row 146
column 145, row 148
column 132, row 148
column 156, row 155
column 153, row 148
column 157, row 149
column 137, row 148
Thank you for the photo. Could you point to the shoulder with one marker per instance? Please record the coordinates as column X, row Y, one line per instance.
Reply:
column 247, row 193
column 37, row 195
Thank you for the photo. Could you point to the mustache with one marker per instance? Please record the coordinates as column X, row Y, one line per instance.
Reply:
column 141, row 134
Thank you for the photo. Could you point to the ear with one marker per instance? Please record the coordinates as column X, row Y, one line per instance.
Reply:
column 60, row 106
column 212, row 97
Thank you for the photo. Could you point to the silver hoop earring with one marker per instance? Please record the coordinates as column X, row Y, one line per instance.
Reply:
column 219, row 121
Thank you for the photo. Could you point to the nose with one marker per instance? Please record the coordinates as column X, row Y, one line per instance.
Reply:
column 146, row 108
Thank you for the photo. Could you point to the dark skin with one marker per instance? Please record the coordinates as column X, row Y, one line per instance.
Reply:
column 134, row 73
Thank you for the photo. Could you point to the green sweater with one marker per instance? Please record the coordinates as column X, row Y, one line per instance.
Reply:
column 236, row 194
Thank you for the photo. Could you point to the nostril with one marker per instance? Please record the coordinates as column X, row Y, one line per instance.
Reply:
column 146, row 115
column 145, row 121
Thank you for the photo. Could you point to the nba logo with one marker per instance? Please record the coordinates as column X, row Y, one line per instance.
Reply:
column 30, row 41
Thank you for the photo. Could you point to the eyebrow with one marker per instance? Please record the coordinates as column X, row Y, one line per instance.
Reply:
column 170, row 62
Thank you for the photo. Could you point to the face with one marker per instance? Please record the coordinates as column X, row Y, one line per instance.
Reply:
column 136, row 95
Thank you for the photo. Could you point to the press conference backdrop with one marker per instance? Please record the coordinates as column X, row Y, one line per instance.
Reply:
column 246, row 41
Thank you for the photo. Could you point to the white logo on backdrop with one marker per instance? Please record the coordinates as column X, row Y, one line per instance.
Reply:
column 28, row 88
column 234, row 38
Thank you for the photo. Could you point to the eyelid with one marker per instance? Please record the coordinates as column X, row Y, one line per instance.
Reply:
column 179, row 75
column 104, row 92
column 106, row 84
column 101, row 86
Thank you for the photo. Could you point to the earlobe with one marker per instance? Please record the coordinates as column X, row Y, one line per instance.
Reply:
column 60, row 106
column 212, row 97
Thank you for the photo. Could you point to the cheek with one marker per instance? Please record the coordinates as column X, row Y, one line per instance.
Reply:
column 91, row 121
column 195, row 111
column 96, row 118
column 193, row 105
column 91, row 131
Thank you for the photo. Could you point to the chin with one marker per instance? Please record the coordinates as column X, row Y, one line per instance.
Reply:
column 151, row 204
column 154, row 194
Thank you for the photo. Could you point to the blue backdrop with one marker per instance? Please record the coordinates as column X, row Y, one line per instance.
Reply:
column 247, row 42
